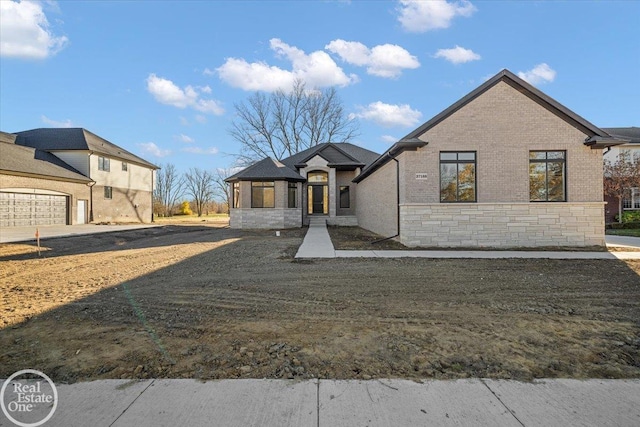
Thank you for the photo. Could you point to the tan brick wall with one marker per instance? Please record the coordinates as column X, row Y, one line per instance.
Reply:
column 502, row 225
column 74, row 190
column 377, row 201
column 126, row 205
column 502, row 126
column 343, row 178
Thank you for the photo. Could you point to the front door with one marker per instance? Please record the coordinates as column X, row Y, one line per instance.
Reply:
column 318, row 199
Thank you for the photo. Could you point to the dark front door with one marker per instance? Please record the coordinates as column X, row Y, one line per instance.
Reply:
column 318, row 203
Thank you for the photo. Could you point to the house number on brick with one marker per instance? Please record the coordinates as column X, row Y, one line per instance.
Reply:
column 421, row 176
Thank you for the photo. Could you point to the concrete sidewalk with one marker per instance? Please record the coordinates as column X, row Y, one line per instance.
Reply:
column 26, row 234
column 317, row 244
column 470, row 402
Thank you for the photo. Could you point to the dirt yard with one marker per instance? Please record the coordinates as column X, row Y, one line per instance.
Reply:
column 201, row 301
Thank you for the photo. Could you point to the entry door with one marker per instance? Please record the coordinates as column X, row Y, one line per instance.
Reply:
column 318, row 199
column 82, row 209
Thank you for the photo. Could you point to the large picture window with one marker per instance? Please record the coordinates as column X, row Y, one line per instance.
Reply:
column 458, row 176
column 292, row 195
column 547, row 171
column 262, row 194
column 632, row 202
column 345, row 200
column 104, row 164
column 236, row 195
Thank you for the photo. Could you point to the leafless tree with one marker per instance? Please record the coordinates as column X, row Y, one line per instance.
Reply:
column 620, row 177
column 199, row 184
column 286, row 122
column 222, row 190
column 169, row 188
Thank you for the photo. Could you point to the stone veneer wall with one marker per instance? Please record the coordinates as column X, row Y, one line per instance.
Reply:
column 268, row 218
column 502, row 225
column 343, row 221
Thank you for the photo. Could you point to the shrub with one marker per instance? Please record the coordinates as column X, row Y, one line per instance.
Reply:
column 185, row 209
column 629, row 216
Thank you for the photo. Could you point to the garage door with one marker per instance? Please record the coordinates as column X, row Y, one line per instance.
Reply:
column 17, row 209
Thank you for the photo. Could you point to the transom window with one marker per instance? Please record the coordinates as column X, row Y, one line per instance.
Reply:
column 236, row 195
column 315, row 177
column 262, row 194
column 104, row 164
column 292, row 195
column 458, row 176
column 547, row 176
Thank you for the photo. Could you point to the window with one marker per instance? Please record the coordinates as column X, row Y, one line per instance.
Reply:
column 345, row 201
column 108, row 192
column 125, row 166
column 634, row 201
column 458, row 176
column 103, row 164
column 236, row 195
column 292, row 194
column 262, row 194
column 317, row 177
column 547, row 176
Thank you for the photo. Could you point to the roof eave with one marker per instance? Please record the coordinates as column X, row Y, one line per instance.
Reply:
column 405, row 144
column 596, row 142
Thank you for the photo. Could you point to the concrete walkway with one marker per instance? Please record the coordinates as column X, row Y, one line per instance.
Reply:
column 25, row 234
column 317, row 244
column 470, row 402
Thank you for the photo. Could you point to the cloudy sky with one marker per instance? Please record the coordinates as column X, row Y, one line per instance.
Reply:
column 161, row 78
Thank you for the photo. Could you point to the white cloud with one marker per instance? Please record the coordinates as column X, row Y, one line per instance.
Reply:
column 204, row 89
column 201, row 119
column 152, row 149
column 167, row 92
column 541, row 73
column 457, row 55
column 25, row 32
column 418, row 16
column 388, row 138
column 208, row 72
column 386, row 60
column 184, row 138
column 63, row 124
column 198, row 150
column 388, row 115
column 316, row 69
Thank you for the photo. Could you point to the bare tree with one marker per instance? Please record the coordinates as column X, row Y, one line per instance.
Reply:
column 221, row 188
column 169, row 188
column 620, row 177
column 284, row 123
column 199, row 184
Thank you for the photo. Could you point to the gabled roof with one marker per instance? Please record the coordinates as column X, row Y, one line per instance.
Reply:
column 632, row 134
column 62, row 139
column 16, row 159
column 335, row 153
column 266, row 169
column 526, row 89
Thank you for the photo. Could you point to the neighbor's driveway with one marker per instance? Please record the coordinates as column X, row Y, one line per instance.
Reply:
column 632, row 242
column 23, row 234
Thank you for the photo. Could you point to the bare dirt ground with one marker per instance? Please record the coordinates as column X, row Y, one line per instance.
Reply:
column 201, row 301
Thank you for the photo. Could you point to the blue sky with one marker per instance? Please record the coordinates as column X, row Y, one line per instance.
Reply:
column 161, row 78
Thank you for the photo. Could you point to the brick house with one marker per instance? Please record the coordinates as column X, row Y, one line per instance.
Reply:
column 504, row 166
column 632, row 146
column 75, row 176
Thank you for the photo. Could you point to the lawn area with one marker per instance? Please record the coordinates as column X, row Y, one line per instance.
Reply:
column 205, row 301
column 192, row 219
column 632, row 232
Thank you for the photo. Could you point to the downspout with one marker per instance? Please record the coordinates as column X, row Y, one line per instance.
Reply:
column 397, row 200
column 90, row 188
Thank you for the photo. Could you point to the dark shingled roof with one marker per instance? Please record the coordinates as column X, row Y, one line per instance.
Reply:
column 335, row 153
column 54, row 139
column 631, row 133
column 27, row 160
column 267, row 169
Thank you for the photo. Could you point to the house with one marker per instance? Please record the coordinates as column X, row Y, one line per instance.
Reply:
column 313, row 182
column 504, row 166
column 632, row 148
column 71, row 176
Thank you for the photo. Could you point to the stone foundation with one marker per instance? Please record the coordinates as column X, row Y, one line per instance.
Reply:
column 268, row 218
column 502, row 225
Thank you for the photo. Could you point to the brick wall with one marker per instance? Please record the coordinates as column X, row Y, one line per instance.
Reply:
column 502, row 225
column 377, row 201
column 276, row 218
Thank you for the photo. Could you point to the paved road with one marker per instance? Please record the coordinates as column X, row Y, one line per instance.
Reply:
column 632, row 242
column 23, row 234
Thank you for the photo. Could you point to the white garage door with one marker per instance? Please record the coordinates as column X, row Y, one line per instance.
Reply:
column 17, row 209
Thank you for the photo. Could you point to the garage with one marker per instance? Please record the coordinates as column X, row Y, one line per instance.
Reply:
column 20, row 209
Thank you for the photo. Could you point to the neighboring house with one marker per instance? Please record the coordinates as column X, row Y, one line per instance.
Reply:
column 504, row 166
column 283, row 194
column 632, row 148
column 115, row 185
